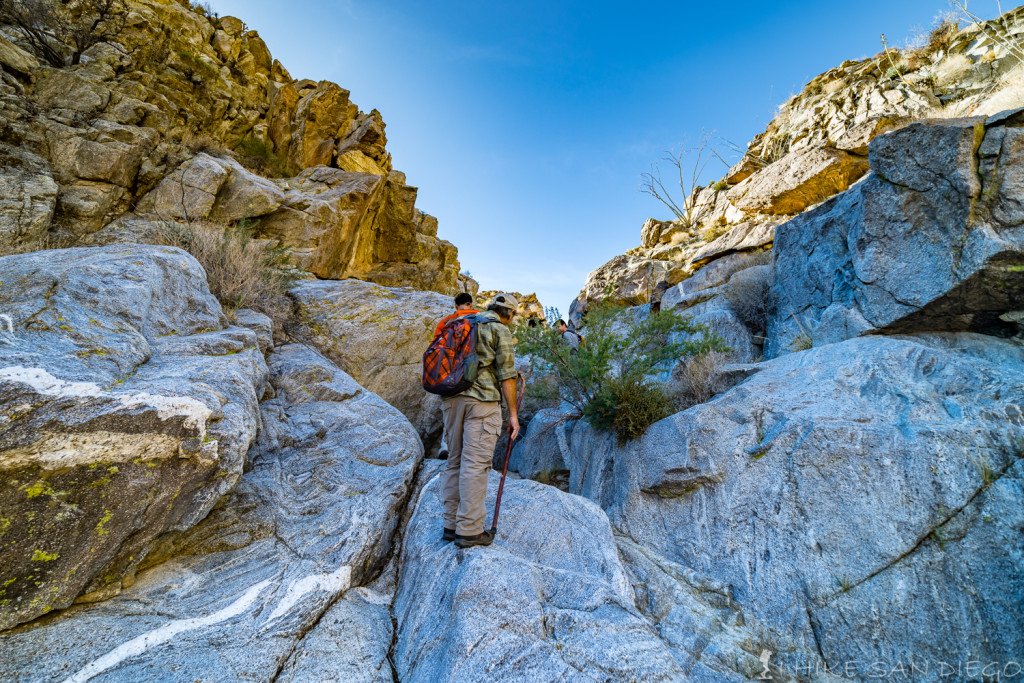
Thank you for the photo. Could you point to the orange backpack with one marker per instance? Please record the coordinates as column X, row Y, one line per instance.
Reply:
column 450, row 362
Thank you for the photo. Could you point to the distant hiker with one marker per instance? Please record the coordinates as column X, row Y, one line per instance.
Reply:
column 463, row 306
column 570, row 337
column 472, row 422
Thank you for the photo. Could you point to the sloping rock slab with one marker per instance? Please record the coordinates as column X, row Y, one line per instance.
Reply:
column 313, row 518
column 126, row 410
column 549, row 601
column 844, row 493
column 745, row 236
column 933, row 240
column 378, row 335
column 798, row 180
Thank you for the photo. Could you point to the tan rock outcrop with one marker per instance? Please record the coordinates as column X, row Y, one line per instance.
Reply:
column 815, row 148
column 797, row 181
column 529, row 307
column 189, row 117
column 378, row 335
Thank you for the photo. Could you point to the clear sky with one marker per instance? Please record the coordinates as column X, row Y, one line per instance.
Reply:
column 526, row 124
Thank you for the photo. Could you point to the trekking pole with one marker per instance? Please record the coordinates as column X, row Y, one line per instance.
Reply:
column 508, row 454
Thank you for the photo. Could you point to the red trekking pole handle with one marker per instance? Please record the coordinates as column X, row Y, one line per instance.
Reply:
column 508, row 454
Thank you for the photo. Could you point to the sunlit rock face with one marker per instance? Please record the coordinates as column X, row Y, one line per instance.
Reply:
column 815, row 148
column 189, row 118
column 932, row 241
column 842, row 492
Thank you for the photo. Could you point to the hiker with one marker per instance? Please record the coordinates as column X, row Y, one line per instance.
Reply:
column 570, row 337
column 463, row 306
column 472, row 421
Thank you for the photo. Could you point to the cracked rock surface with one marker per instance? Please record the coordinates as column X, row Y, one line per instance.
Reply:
column 863, row 497
column 933, row 240
column 378, row 335
column 269, row 579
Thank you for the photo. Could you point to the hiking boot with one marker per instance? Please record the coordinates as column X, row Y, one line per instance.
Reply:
column 448, row 535
column 485, row 538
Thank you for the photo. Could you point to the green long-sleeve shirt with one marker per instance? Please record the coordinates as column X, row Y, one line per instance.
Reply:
column 496, row 359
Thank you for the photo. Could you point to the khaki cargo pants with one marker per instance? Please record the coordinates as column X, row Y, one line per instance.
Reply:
column 472, row 429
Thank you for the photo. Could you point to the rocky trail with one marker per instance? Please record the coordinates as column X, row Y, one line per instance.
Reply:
column 193, row 490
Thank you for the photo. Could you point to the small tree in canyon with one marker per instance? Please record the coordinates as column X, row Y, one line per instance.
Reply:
column 689, row 164
column 609, row 379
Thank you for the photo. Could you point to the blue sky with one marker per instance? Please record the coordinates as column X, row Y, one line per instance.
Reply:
column 526, row 124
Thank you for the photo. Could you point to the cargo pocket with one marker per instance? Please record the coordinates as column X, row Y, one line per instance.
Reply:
column 492, row 424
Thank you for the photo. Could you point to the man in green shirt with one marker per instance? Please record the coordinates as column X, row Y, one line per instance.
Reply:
column 472, row 422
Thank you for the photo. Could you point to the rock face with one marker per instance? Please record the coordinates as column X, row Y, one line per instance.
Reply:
column 815, row 148
column 335, row 224
column 934, row 244
column 529, row 307
column 28, row 196
column 179, row 121
column 548, row 601
column 839, row 493
column 272, row 584
column 127, row 406
column 378, row 335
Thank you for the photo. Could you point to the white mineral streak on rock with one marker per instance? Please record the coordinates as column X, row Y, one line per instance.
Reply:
column 55, row 451
column 158, row 636
column 195, row 412
column 336, row 582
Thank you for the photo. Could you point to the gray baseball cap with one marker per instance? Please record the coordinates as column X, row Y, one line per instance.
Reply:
column 506, row 300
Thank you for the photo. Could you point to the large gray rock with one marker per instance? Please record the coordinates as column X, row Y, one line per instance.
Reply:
column 377, row 335
column 843, row 493
column 267, row 587
column 542, row 447
column 933, row 240
column 549, row 601
column 127, row 406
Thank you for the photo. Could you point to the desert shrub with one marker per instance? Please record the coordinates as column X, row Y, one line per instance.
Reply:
column 47, row 241
column 60, row 31
column 714, row 232
column 628, row 405
column 202, row 143
column 608, row 380
column 720, row 186
column 257, row 155
column 689, row 164
column 697, row 379
column 242, row 272
column 748, row 298
column 941, row 37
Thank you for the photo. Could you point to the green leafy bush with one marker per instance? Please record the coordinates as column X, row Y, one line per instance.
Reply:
column 628, row 406
column 609, row 379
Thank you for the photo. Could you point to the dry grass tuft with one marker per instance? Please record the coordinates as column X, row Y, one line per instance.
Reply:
column 749, row 297
column 242, row 272
column 40, row 244
column 697, row 380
